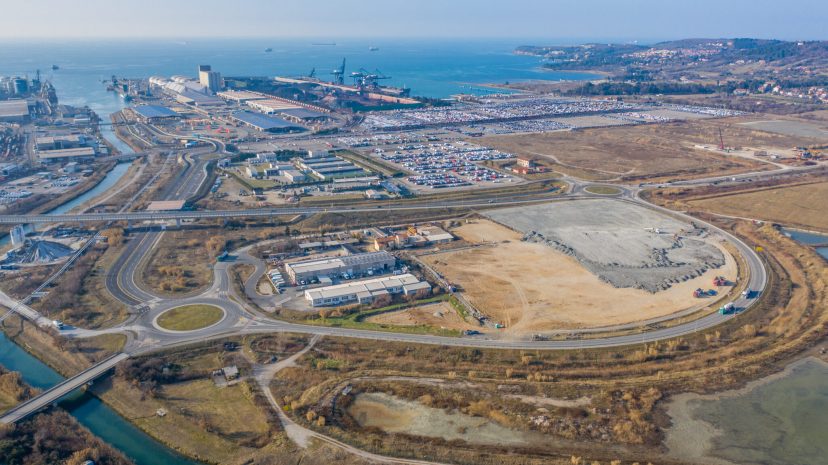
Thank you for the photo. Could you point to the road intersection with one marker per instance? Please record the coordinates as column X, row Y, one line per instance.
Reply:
column 144, row 336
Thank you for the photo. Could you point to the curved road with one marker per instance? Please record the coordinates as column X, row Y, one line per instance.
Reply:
column 240, row 320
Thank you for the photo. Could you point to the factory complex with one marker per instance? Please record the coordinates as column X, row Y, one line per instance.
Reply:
column 365, row 291
column 347, row 267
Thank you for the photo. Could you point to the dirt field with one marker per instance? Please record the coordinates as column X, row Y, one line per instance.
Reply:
column 438, row 315
column 802, row 205
column 634, row 153
column 531, row 287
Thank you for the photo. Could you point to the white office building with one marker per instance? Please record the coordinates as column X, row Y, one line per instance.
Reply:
column 365, row 291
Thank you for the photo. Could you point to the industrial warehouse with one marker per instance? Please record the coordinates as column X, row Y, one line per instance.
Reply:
column 346, row 267
column 265, row 123
column 364, row 292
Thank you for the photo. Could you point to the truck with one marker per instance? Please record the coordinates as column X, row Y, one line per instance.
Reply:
column 727, row 309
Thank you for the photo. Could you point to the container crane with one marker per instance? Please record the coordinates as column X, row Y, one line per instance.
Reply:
column 339, row 74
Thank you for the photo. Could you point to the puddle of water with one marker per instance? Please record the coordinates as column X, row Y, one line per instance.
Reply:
column 782, row 420
column 395, row 415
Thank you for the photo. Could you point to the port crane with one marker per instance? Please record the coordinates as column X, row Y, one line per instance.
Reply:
column 366, row 80
column 339, row 74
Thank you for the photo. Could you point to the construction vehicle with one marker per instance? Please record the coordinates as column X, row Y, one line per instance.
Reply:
column 727, row 309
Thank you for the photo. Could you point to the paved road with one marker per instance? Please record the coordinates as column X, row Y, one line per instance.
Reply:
column 272, row 212
column 146, row 336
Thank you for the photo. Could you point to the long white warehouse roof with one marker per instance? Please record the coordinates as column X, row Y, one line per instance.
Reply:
column 356, row 287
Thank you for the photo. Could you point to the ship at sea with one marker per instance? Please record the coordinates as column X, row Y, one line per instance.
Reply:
column 268, row 50
column 55, row 67
column 373, row 49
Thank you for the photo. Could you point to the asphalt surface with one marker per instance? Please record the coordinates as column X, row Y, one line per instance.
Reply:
column 239, row 320
column 144, row 336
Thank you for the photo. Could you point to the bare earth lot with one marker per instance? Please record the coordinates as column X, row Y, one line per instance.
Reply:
column 646, row 151
column 437, row 315
column 624, row 244
column 532, row 287
column 803, row 205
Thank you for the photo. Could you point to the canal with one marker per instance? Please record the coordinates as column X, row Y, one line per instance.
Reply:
column 90, row 411
column 818, row 241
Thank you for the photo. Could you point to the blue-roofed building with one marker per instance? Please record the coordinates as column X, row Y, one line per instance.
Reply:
column 151, row 113
column 265, row 123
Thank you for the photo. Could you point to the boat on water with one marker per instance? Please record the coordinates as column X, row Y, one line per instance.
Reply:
column 268, row 50
column 55, row 67
column 373, row 49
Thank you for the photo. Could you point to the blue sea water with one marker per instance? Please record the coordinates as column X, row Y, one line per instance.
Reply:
column 434, row 69
column 430, row 68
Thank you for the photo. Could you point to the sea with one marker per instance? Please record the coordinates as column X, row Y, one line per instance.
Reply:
column 435, row 69
column 431, row 68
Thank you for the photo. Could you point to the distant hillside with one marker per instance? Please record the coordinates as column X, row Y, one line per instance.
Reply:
column 698, row 57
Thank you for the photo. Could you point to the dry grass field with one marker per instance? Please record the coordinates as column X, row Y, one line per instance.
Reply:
column 531, row 287
column 801, row 205
column 648, row 151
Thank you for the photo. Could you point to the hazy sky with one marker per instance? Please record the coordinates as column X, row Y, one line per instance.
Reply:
column 547, row 19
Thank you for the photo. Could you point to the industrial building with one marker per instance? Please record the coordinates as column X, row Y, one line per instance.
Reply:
column 64, row 141
column 364, row 292
column 271, row 105
column 209, row 78
column 154, row 113
column 351, row 265
column 294, row 176
column 303, row 115
column 413, row 237
column 265, row 123
column 191, row 97
column 325, row 167
column 241, row 96
column 352, row 184
column 9, row 169
column 18, row 235
column 78, row 154
column 14, row 111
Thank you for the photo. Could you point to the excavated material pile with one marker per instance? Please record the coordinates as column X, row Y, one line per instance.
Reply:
column 624, row 244
column 35, row 252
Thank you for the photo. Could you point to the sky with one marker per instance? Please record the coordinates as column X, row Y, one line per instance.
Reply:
column 467, row 19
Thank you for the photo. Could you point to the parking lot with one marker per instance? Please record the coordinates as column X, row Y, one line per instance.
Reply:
column 446, row 164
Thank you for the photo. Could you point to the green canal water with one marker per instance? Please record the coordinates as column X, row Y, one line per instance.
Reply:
column 781, row 422
column 90, row 411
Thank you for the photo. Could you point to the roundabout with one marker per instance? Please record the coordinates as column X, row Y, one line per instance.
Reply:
column 601, row 189
column 191, row 317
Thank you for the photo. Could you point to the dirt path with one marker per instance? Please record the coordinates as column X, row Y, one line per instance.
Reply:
column 300, row 435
